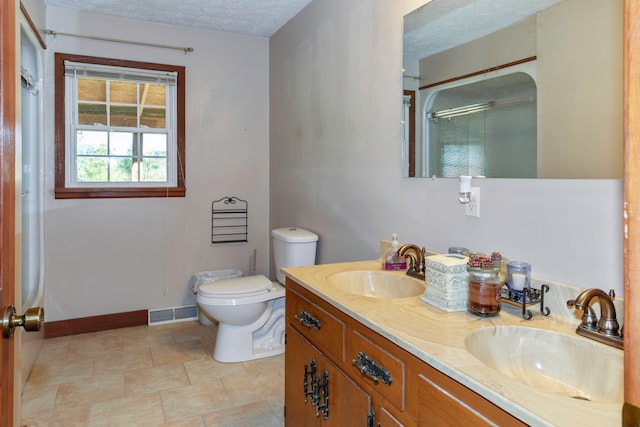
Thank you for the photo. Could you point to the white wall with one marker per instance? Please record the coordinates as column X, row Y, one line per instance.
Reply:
column 116, row 255
column 336, row 85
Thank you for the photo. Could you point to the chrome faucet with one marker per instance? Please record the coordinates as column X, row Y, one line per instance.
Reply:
column 605, row 330
column 416, row 259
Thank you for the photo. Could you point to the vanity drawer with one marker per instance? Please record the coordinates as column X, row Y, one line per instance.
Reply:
column 442, row 399
column 368, row 360
column 324, row 330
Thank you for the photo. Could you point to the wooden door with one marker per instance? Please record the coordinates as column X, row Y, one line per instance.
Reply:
column 298, row 356
column 348, row 404
column 8, row 98
column 631, row 409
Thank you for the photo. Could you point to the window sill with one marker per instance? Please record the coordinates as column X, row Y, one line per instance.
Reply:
column 114, row 193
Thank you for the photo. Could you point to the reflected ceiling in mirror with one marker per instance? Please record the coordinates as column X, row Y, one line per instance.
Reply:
column 578, row 46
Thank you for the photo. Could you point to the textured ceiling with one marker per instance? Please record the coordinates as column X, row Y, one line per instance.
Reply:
column 252, row 17
column 435, row 27
column 444, row 24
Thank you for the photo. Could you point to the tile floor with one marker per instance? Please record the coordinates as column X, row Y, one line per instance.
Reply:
column 150, row 376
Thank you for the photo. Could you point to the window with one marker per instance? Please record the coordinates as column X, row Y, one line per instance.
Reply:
column 119, row 128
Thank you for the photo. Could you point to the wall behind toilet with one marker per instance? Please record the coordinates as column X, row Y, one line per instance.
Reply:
column 117, row 255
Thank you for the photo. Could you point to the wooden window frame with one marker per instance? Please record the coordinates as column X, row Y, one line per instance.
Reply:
column 64, row 192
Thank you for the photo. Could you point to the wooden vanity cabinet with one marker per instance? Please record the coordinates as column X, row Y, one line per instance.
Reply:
column 405, row 392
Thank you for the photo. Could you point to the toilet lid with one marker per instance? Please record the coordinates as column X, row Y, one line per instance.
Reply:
column 240, row 286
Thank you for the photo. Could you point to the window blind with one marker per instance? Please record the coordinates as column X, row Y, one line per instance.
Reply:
column 77, row 69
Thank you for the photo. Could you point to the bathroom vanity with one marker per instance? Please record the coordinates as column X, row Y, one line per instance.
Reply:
column 355, row 359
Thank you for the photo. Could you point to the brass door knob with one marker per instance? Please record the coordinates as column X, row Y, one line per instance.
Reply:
column 31, row 320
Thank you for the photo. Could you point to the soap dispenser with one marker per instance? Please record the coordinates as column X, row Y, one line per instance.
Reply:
column 392, row 259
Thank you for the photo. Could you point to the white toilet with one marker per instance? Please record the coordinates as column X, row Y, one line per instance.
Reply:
column 250, row 309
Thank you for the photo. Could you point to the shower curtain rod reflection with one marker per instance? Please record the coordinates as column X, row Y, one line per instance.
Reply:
column 107, row 39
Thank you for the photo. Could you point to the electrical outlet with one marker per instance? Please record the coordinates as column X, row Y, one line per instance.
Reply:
column 473, row 207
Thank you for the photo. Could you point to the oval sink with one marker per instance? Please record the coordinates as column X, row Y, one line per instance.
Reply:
column 552, row 362
column 377, row 284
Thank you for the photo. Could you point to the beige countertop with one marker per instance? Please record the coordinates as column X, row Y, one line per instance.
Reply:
column 437, row 338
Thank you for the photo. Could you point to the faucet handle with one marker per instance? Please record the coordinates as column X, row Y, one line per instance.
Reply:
column 423, row 262
column 589, row 319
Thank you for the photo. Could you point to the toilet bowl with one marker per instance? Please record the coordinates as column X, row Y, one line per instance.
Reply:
column 250, row 310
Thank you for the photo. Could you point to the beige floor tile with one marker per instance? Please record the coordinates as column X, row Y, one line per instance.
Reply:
column 122, row 332
column 54, row 350
column 190, row 331
column 202, row 371
column 193, row 400
column 150, row 380
column 249, row 415
column 57, row 372
column 268, row 364
column 256, row 387
column 277, row 404
column 123, row 361
column 150, row 376
column 164, row 354
column 95, row 346
column 90, row 390
column 144, row 337
column 127, row 412
column 70, row 417
column 185, row 422
column 38, row 400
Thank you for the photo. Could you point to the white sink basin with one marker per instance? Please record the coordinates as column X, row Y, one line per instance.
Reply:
column 553, row 362
column 377, row 284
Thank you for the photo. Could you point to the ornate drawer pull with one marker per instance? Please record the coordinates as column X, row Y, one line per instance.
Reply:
column 307, row 320
column 310, row 382
column 323, row 395
column 372, row 369
column 315, row 389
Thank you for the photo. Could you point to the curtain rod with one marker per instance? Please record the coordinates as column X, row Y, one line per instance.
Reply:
column 107, row 39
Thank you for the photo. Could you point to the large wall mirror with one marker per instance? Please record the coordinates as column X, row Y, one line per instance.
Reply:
column 514, row 89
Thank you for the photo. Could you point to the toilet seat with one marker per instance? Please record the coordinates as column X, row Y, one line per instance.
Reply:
column 240, row 287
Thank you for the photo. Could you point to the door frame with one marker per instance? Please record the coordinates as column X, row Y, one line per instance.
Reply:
column 8, row 129
column 631, row 409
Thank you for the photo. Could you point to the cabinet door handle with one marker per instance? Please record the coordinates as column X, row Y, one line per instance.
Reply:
column 323, row 395
column 307, row 320
column 371, row 419
column 310, row 382
column 372, row 369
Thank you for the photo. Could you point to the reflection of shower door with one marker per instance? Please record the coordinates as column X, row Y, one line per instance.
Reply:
column 31, row 187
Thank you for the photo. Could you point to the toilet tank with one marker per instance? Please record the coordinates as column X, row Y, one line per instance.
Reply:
column 293, row 247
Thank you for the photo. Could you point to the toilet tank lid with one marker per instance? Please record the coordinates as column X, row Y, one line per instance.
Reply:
column 238, row 285
column 293, row 234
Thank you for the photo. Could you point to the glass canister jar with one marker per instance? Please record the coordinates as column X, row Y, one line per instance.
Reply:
column 484, row 297
column 518, row 275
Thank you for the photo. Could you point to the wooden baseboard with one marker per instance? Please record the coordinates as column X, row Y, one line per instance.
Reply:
column 630, row 415
column 84, row 325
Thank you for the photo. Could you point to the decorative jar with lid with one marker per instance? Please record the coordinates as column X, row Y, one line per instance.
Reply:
column 484, row 290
